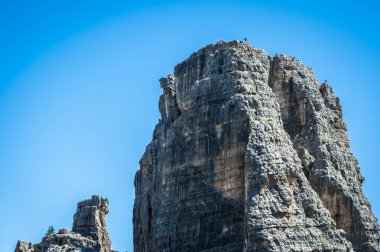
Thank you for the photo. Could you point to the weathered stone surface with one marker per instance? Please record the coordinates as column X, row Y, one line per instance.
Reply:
column 232, row 165
column 89, row 232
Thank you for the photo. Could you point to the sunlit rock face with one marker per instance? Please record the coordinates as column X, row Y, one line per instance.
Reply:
column 89, row 233
column 251, row 154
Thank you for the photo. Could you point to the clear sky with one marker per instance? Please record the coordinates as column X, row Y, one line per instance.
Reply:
column 79, row 91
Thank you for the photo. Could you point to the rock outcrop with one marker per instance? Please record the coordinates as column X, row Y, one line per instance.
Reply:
column 89, row 232
column 251, row 154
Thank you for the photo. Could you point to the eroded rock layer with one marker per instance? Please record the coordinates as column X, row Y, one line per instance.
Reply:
column 251, row 154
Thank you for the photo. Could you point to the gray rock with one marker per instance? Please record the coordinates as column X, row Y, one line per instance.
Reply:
column 23, row 246
column 66, row 243
column 89, row 232
column 246, row 157
column 63, row 231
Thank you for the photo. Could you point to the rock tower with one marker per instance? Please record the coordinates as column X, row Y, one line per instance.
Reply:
column 251, row 154
column 90, row 221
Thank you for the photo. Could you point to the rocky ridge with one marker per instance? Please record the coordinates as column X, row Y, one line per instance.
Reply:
column 251, row 154
column 89, row 232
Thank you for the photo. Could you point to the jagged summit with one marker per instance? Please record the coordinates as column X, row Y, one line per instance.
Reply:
column 251, row 154
column 89, row 232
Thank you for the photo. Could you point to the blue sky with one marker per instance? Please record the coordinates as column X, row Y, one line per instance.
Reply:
column 79, row 91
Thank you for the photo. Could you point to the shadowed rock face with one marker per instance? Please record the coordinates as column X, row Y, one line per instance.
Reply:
column 89, row 233
column 251, row 153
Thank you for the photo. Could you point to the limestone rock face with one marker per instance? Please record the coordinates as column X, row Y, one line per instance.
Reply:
column 251, row 154
column 89, row 232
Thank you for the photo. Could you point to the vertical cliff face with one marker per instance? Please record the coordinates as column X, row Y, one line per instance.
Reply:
column 89, row 233
column 251, row 153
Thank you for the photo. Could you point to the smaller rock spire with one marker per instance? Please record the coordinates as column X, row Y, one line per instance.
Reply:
column 90, row 220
